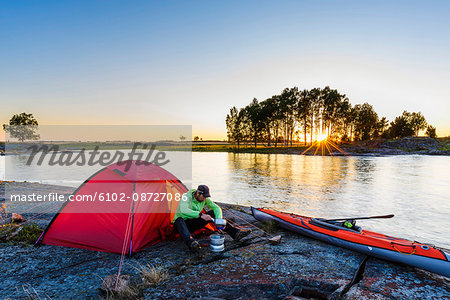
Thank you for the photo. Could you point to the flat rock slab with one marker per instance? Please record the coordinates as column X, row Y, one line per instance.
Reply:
column 384, row 280
column 298, row 267
column 262, row 270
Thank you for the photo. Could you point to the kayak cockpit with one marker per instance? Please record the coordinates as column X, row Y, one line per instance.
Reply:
column 334, row 226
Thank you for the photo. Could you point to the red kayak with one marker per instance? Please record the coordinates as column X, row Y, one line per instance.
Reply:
column 367, row 242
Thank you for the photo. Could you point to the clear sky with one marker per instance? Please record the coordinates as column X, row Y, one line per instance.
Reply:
column 189, row 62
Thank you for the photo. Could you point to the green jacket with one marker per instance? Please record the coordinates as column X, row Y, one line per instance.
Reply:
column 190, row 208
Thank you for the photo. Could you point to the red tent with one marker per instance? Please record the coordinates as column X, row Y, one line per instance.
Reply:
column 123, row 208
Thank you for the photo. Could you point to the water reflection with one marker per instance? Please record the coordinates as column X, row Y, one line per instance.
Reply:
column 364, row 169
column 290, row 177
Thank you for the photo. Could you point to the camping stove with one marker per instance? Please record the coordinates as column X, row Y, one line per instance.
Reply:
column 216, row 243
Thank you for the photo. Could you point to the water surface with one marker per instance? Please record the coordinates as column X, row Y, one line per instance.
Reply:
column 415, row 188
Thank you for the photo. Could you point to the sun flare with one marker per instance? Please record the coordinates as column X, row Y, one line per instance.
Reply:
column 322, row 137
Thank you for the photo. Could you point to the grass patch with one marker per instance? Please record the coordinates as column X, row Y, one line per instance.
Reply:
column 14, row 234
column 248, row 148
column 152, row 275
column 122, row 289
column 445, row 146
column 443, row 139
column 212, row 148
column 147, row 276
column 32, row 294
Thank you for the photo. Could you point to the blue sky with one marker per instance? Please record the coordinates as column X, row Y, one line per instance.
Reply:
column 187, row 63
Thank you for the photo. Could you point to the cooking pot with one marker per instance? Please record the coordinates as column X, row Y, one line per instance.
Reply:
column 217, row 239
column 216, row 242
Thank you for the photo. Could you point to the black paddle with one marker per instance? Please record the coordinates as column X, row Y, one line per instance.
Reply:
column 361, row 218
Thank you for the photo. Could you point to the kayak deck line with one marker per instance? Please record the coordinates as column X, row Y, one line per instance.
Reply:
column 367, row 242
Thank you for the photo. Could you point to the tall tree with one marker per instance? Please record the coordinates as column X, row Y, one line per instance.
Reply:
column 288, row 102
column 278, row 118
column 350, row 120
column 253, row 112
column 382, row 125
column 431, row 131
column 269, row 110
column 234, row 126
column 22, row 127
column 332, row 103
column 366, row 121
column 315, row 107
column 303, row 111
column 418, row 122
column 344, row 109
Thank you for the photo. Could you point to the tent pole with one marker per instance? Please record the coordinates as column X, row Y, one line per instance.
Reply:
column 132, row 221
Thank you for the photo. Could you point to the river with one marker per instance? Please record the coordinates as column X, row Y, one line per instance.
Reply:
column 413, row 187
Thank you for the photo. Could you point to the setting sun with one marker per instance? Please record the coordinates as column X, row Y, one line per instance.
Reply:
column 322, row 137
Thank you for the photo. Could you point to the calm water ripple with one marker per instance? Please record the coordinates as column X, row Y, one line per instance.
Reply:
column 415, row 188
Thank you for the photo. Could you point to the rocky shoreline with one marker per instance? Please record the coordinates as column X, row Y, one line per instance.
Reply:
column 380, row 147
column 297, row 268
column 403, row 146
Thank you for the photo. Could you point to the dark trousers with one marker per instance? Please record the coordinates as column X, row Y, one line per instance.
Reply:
column 185, row 227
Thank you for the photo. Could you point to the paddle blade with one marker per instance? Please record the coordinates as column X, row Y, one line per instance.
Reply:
column 381, row 217
column 362, row 218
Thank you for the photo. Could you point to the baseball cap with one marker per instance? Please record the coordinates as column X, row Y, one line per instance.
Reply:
column 203, row 189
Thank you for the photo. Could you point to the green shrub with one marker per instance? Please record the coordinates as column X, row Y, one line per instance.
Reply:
column 20, row 234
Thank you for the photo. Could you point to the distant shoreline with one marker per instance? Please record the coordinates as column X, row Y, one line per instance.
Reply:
column 378, row 147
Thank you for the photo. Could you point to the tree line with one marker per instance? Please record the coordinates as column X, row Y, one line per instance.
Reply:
column 308, row 115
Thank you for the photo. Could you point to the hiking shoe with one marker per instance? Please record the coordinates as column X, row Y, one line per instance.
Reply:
column 241, row 234
column 195, row 247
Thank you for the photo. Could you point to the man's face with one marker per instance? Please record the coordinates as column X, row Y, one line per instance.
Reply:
column 200, row 197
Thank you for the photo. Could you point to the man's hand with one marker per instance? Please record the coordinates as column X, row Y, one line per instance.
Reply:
column 206, row 217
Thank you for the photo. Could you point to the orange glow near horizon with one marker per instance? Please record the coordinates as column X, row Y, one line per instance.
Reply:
column 323, row 146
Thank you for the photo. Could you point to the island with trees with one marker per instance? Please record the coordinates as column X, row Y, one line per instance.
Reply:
column 323, row 117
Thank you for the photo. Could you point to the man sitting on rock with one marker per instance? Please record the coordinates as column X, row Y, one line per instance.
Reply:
column 189, row 217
